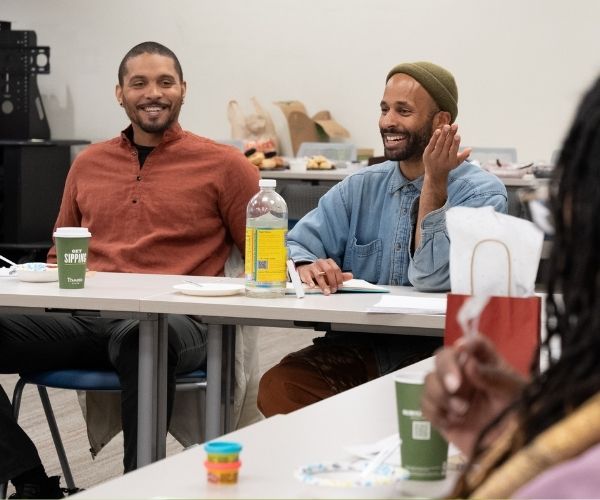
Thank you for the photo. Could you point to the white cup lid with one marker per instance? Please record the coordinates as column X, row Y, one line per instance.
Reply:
column 72, row 232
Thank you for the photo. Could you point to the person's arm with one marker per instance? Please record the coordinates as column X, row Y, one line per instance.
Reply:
column 318, row 241
column 239, row 185
column 429, row 266
column 68, row 214
column 439, row 158
column 471, row 384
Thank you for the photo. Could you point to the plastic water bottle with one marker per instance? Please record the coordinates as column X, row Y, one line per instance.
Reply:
column 266, row 251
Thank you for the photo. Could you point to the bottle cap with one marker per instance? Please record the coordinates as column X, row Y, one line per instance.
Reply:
column 267, row 183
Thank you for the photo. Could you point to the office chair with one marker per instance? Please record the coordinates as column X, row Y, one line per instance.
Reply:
column 83, row 380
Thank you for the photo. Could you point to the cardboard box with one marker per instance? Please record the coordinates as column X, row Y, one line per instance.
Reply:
column 303, row 128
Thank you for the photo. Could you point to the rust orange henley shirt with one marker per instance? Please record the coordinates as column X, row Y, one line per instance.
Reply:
column 179, row 214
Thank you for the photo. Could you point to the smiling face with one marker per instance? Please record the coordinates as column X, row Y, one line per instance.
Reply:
column 151, row 94
column 408, row 117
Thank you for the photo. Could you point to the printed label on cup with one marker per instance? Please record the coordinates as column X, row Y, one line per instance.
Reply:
column 423, row 451
column 71, row 254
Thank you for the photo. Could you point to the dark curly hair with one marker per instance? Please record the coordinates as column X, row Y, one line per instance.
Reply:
column 573, row 286
column 148, row 48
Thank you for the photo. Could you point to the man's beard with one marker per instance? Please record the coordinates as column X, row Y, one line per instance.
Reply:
column 155, row 127
column 152, row 126
column 415, row 144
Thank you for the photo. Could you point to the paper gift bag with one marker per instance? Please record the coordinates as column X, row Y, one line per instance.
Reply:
column 512, row 323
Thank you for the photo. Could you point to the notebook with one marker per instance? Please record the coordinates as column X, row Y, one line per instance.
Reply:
column 350, row 286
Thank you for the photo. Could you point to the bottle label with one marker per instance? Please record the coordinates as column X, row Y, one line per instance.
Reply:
column 249, row 258
column 266, row 255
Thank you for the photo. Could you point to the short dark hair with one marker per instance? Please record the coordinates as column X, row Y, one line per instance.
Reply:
column 148, row 48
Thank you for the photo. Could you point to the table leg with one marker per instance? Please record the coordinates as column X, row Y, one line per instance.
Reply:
column 147, row 391
column 228, row 382
column 213, row 381
column 161, row 392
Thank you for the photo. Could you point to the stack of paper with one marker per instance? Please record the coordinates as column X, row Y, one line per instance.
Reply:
column 410, row 305
column 350, row 286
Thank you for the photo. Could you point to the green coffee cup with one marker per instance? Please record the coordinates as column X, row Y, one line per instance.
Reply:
column 71, row 254
column 423, row 451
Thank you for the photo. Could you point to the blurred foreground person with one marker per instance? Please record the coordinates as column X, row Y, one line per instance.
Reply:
column 538, row 438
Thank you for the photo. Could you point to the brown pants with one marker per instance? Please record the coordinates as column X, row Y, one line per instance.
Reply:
column 325, row 369
column 312, row 374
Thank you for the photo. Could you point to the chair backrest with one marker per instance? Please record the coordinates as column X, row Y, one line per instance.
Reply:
column 486, row 155
column 336, row 151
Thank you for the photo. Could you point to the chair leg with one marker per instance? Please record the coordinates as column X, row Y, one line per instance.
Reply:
column 58, row 444
column 16, row 405
column 16, row 400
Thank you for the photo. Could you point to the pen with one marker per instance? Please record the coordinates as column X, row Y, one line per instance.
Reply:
column 298, row 288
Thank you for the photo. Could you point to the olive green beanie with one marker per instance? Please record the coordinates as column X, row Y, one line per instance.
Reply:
column 438, row 81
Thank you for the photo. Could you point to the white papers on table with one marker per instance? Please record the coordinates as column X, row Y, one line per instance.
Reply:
column 350, row 286
column 409, row 305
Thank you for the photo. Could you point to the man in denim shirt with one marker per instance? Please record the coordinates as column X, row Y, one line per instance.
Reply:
column 385, row 224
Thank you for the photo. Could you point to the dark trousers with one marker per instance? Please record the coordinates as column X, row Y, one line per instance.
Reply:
column 17, row 452
column 31, row 343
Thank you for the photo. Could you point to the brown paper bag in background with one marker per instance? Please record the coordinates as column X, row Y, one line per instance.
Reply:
column 320, row 128
column 255, row 130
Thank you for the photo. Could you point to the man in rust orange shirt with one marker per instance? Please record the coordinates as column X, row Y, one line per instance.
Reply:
column 157, row 199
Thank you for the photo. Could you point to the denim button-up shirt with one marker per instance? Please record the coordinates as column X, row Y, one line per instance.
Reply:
column 366, row 224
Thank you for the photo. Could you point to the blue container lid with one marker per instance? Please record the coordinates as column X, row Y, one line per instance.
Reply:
column 222, row 447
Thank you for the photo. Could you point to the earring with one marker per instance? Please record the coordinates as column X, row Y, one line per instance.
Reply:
column 121, row 103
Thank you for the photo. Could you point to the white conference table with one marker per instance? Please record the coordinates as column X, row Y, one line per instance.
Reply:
column 150, row 297
column 340, row 312
column 275, row 447
column 303, row 188
column 299, row 172
column 111, row 295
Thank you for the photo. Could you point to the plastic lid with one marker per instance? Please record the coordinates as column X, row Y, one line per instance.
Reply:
column 72, row 232
column 222, row 447
column 267, row 183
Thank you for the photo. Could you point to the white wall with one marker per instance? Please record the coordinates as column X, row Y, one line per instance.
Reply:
column 521, row 65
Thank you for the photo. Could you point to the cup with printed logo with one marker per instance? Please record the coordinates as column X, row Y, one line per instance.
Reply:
column 71, row 255
column 423, row 451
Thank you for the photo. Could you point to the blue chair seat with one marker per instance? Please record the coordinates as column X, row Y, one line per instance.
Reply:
column 91, row 380
column 81, row 380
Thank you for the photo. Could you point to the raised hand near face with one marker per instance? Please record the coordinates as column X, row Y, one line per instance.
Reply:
column 441, row 154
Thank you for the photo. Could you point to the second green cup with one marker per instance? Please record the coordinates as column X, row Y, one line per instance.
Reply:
column 424, row 452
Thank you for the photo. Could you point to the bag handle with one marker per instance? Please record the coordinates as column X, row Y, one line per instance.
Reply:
column 508, row 261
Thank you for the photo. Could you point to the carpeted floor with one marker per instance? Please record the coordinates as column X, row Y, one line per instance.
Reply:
column 274, row 343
